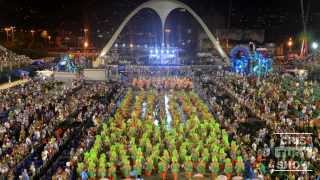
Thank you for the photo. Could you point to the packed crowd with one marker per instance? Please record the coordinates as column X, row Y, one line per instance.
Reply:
column 8, row 58
column 40, row 117
column 285, row 104
column 86, row 139
column 38, row 120
column 29, row 114
column 88, row 109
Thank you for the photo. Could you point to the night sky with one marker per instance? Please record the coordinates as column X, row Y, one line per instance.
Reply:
column 272, row 15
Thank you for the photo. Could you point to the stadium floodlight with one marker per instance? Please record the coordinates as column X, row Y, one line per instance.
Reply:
column 314, row 45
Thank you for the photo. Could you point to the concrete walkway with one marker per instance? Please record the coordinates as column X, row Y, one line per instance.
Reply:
column 12, row 84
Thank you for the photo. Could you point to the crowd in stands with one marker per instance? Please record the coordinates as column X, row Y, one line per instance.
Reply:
column 8, row 57
column 87, row 107
column 87, row 138
column 30, row 114
column 39, row 119
column 283, row 105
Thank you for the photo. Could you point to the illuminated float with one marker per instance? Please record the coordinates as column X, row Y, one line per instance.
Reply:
column 250, row 62
column 66, row 64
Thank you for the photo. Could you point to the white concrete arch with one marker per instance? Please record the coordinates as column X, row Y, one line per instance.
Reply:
column 163, row 8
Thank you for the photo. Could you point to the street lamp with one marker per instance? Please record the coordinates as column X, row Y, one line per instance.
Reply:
column 314, row 45
column 12, row 31
column 85, row 30
column 7, row 29
column 32, row 32
column 290, row 43
column 49, row 38
column 85, row 44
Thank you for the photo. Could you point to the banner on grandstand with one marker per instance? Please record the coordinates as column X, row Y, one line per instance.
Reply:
column 241, row 35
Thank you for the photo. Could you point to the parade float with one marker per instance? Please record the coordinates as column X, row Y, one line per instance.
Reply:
column 66, row 64
column 252, row 61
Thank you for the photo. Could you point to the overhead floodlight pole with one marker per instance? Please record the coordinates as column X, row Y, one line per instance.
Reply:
column 304, row 17
column 229, row 21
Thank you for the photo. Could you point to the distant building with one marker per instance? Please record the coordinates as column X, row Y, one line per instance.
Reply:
column 233, row 36
column 256, row 35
